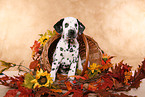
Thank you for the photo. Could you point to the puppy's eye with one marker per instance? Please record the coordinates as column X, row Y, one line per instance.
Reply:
column 75, row 25
column 66, row 25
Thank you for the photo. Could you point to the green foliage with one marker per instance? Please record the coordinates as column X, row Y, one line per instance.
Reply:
column 27, row 81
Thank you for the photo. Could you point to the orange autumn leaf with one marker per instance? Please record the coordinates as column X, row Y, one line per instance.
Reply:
column 92, row 87
column 78, row 77
column 106, row 66
column 106, row 59
column 56, row 90
column 127, row 77
column 68, row 85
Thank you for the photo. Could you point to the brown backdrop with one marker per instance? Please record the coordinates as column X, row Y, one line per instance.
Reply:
column 117, row 25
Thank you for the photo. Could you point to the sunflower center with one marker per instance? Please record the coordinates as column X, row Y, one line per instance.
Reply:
column 42, row 80
column 44, row 39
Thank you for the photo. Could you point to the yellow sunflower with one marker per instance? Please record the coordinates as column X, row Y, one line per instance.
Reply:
column 44, row 38
column 43, row 79
column 94, row 66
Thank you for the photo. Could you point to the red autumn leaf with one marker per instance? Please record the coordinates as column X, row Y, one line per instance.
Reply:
column 20, row 78
column 108, row 82
column 127, row 67
column 33, row 64
column 106, row 59
column 11, row 93
column 5, row 78
column 82, row 86
column 36, row 46
column 116, row 84
column 25, row 92
column 86, row 76
column 138, row 76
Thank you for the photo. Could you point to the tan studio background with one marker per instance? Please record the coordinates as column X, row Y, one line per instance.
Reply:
column 117, row 25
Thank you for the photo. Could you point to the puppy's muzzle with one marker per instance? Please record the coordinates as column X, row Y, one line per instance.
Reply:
column 72, row 34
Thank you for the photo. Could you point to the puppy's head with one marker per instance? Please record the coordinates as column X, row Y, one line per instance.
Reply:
column 69, row 27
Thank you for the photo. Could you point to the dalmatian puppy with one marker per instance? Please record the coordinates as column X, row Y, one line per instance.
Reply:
column 66, row 56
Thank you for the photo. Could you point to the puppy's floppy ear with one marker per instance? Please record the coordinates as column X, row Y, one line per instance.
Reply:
column 58, row 26
column 81, row 27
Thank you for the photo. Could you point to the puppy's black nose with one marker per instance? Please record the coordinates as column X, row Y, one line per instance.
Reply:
column 71, row 33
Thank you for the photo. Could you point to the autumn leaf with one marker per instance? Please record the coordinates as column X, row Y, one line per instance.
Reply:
column 117, row 84
column 36, row 46
column 56, row 90
column 76, row 93
column 107, row 82
column 92, row 87
column 106, row 66
column 69, row 85
column 11, row 93
column 106, row 59
column 128, row 76
column 34, row 64
column 25, row 92
column 138, row 76
column 106, row 62
column 78, row 77
column 27, row 81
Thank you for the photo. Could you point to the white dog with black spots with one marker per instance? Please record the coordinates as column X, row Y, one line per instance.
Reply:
column 66, row 57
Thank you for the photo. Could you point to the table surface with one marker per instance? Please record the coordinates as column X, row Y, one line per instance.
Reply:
column 140, row 92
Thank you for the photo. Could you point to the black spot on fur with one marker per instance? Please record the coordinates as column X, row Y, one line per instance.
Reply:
column 61, row 49
column 53, row 69
column 74, row 46
column 67, row 58
column 71, row 50
column 72, row 54
column 61, row 54
column 63, row 36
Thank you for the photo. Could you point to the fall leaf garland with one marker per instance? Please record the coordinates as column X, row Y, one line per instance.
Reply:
column 100, row 79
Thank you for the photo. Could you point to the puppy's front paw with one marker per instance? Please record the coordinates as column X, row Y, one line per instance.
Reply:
column 72, row 78
column 52, row 74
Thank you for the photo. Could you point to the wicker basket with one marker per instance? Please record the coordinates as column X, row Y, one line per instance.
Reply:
column 88, row 49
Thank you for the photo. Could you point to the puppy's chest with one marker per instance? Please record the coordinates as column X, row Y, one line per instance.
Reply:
column 68, row 50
